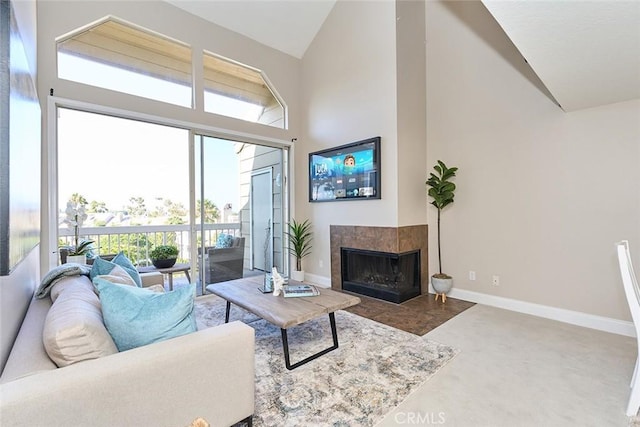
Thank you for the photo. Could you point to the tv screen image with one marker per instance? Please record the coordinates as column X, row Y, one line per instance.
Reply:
column 348, row 172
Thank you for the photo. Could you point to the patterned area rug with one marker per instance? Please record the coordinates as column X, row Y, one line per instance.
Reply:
column 374, row 369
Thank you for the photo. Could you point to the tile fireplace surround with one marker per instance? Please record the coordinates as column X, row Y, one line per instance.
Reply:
column 382, row 239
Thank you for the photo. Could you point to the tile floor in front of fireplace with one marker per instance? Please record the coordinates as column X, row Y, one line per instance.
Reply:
column 418, row 315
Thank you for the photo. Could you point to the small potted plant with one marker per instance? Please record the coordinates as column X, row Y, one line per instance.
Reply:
column 77, row 252
column 442, row 192
column 164, row 256
column 300, row 237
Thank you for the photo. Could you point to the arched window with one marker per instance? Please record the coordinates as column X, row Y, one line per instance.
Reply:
column 237, row 90
column 120, row 57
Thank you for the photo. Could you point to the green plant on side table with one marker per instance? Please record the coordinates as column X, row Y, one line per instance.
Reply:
column 442, row 191
column 300, row 237
column 164, row 256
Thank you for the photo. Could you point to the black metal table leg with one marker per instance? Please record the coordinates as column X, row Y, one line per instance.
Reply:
column 226, row 316
column 285, row 345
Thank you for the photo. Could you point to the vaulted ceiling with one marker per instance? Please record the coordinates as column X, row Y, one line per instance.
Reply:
column 587, row 53
column 285, row 25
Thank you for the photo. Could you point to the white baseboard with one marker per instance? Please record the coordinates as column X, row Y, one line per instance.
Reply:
column 601, row 323
column 316, row 279
column 592, row 321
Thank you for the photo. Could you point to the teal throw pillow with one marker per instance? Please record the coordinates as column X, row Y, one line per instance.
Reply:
column 224, row 241
column 124, row 262
column 137, row 316
column 102, row 267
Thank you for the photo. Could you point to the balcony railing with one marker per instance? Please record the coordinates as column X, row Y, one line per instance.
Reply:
column 138, row 241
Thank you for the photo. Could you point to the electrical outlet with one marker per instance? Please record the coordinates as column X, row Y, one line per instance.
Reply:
column 320, row 263
column 496, row 280
column 472, row 275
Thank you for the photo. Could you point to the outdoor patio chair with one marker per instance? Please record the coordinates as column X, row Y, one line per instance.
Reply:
column 224, row 264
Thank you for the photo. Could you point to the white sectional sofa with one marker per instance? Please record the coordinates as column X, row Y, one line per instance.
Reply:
column 208, row 374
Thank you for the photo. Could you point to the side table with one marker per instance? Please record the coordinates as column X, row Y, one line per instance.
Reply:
column 177, row 268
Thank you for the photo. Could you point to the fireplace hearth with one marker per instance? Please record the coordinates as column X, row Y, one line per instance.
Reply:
column 393, row 277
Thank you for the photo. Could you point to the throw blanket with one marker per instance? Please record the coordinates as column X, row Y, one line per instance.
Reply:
column 58, row 273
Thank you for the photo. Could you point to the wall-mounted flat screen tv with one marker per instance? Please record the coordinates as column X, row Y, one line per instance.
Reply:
column 347, row 172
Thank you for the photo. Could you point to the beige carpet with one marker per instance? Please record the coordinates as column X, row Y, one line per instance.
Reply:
column 375, row 368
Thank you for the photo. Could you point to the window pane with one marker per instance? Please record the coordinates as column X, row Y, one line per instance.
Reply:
column 115, row 56
column 238, row 91
column 132, row 178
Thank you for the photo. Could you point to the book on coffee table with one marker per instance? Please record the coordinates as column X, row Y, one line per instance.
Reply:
column 290, row 291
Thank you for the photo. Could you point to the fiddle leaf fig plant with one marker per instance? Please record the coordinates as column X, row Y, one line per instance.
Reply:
column 442, row 191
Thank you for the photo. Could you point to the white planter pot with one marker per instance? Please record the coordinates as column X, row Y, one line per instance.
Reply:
column 79, row 259
column 297, row 276
column 441, row 286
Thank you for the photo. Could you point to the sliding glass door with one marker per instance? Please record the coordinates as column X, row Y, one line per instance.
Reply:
column 239, row 224
column 222, row 203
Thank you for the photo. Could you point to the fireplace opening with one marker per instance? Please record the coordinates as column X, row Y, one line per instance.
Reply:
column 388, row 276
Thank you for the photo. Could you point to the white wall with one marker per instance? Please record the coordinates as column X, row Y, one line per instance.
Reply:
column 348, row 94
column 543, row 195
column 411, row 110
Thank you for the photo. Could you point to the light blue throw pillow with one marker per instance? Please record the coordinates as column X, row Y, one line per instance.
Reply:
column 224, row 241
column 102, row 267
column 137, row 316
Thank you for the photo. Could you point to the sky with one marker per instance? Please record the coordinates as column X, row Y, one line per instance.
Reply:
column 110, row 160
